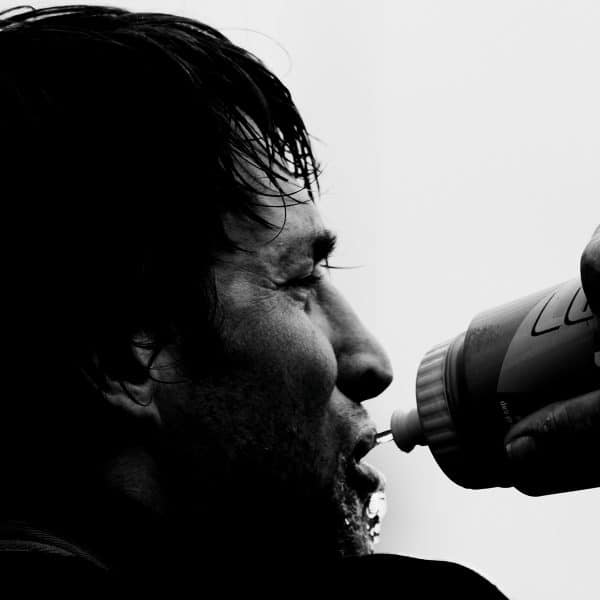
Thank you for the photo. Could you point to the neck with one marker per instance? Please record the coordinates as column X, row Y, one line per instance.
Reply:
column 133, row 475
column 135, row 523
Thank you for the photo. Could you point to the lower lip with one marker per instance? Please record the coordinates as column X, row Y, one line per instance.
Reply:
column 365, row 479
column 369, row 485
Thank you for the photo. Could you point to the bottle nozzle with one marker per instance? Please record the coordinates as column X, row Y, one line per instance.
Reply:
column 383, row 437
column 406, row 430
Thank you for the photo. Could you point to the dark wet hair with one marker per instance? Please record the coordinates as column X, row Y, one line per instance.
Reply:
column 122, row 138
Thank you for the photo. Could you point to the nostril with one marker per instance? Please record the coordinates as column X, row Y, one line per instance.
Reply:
column 379, row 379
column 364, row 377
column 386, row 376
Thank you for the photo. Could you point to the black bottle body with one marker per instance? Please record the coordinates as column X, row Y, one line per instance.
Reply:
column 511, row 361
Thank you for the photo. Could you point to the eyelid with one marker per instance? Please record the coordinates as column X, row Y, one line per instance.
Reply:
column 310, row 280
column 307, row 281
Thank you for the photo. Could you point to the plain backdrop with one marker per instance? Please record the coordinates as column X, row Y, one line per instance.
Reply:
column 461, row 145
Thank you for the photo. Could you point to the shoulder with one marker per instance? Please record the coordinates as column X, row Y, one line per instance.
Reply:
column 32, row 560
column 408, row 577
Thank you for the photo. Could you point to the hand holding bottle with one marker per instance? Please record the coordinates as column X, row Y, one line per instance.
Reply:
column 561, row 442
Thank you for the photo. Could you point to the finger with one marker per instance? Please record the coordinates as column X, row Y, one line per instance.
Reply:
column 590, row 271
column 555, row 425
column 555, row 449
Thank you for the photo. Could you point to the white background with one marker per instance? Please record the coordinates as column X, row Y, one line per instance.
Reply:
column 461, row 141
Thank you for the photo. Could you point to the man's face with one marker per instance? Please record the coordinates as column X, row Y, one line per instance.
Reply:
column 276, row 429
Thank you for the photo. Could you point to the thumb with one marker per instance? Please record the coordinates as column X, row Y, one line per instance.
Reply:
column 557, row 427
column 590, row 272
column 555, row 449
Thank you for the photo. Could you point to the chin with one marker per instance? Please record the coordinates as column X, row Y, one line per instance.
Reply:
column 359, row 519
column 355, row 539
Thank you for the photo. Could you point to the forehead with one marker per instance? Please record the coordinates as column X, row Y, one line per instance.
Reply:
column 294, row 217
column 295, row 228
column 295, row 220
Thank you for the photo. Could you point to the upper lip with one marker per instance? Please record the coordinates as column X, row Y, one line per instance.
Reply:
column 364, row 444
column 361, row 476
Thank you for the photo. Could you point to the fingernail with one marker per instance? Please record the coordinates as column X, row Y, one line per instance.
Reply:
column 521, row 448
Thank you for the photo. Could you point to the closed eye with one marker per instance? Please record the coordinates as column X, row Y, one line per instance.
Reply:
column 305, row 282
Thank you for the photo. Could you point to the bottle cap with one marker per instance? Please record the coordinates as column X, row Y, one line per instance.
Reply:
column 432, row 402
column 432, row 422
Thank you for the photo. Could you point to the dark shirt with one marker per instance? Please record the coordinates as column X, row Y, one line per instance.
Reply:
column 37, row 560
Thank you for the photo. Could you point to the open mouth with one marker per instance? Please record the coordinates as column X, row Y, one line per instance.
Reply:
column 369, row 485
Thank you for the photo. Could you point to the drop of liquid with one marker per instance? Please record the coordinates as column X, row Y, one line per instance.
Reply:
column 375, row 512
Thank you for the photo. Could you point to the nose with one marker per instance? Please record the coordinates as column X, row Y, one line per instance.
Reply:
column 364, row 369
column 365, row 374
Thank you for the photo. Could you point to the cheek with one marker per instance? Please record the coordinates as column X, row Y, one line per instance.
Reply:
column 311, row 365
column 271, row 409
column 289, row 352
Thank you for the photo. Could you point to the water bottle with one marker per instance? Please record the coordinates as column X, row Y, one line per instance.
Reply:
column 511, row 361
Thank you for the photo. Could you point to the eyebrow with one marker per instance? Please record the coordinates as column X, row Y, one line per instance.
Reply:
column 316, row 246
column 323, row 245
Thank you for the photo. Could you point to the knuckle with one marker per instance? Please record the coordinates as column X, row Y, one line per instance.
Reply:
column 550, row 423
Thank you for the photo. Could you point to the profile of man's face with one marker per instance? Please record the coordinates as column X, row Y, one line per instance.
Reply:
column 278, row 424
